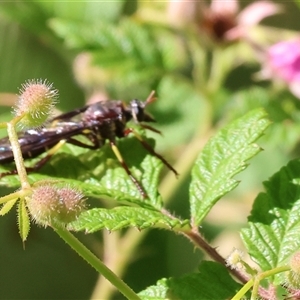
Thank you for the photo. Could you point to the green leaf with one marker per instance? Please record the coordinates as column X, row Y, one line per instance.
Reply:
column 128, row 55
column 7, row 207
column 117, row 185
column 156, row 292
column 141, row 41
column 211, row 282
column 282, row 108
column 85, row 11
column 33, row 15
column 98, row 173
column 224, row 156
column 273, row 232
column 23, row 220
column 107, row 177
column 122, row 217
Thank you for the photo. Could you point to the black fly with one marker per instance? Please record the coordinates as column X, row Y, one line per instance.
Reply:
column 97, row 122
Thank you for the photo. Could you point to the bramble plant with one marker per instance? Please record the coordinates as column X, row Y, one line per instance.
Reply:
column 62, row 207
column 215, row 119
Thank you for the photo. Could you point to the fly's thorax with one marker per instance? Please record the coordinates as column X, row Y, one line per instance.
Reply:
column 103, row 111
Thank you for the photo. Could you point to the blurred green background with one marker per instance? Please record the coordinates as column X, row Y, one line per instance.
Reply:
column 123, row 50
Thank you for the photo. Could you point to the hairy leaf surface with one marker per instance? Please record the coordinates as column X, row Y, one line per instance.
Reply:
column 273, row 232
column 122, row 217
column 224, row 156
column 200, row 285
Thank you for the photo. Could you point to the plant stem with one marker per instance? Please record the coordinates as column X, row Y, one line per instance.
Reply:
column 15, row 146
column 243, row 290
column 195, row 237
column 197, row 240
column 15, row 195
column 264, row 275
column 112, row 258
column 96, row 263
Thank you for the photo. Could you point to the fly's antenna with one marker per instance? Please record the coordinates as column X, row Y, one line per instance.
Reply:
column 150, row 98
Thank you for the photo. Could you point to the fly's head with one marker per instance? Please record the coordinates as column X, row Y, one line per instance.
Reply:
column 137, row 109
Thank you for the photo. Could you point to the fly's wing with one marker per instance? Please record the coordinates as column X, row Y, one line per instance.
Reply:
column 68, row 116
column 34, row 142
column 5, row 151
column 28, row 140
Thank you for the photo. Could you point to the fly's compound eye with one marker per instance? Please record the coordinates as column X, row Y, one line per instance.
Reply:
column 137, row 110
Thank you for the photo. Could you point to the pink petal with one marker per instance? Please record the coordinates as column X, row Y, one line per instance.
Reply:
column 255, row 12
column 284, row 60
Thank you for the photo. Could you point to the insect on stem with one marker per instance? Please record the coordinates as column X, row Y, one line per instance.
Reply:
column 97, row 123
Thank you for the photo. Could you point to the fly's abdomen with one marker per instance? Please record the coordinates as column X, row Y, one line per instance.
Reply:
column 6, row 155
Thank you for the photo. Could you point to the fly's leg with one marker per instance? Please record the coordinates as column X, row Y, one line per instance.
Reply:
column 149, row 148
column 96, row 145
column 124, row 165
column 12, row 172
column 55, row 148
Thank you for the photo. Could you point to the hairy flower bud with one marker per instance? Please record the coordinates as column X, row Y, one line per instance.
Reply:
column 45, row 204
column 293, row 276
column 74, row 203
column 35, row 103
column 235, row 258
column 52, row 205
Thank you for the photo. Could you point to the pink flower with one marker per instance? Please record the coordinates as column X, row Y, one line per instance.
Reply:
column 283, row 63
column 223, row 20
